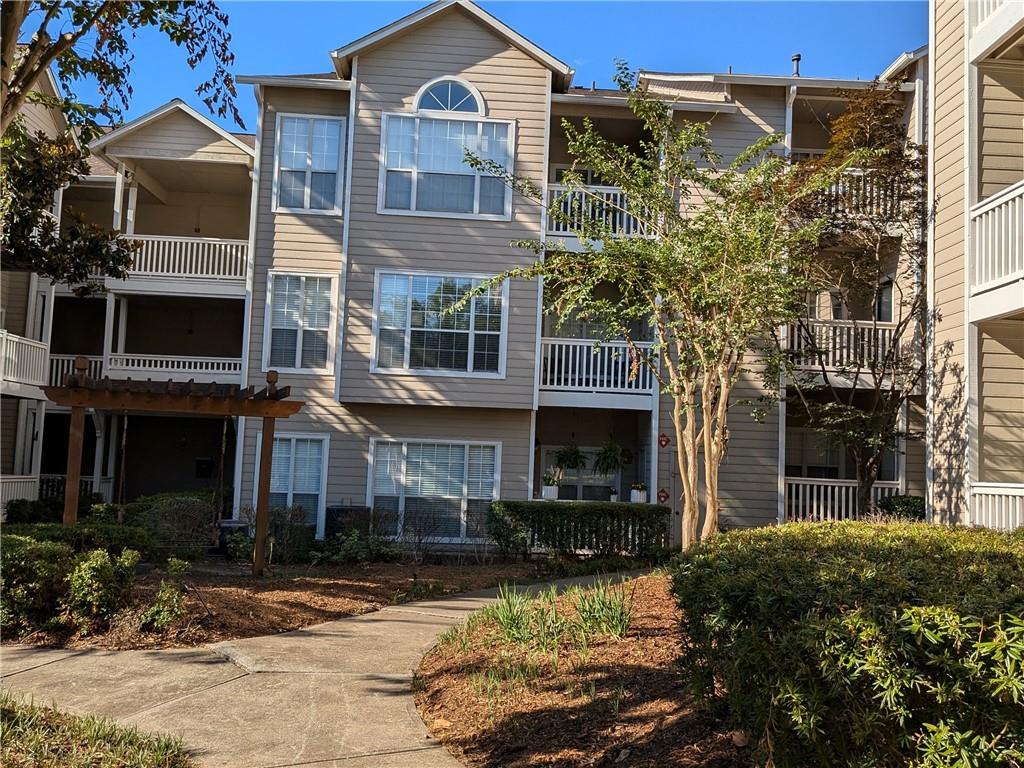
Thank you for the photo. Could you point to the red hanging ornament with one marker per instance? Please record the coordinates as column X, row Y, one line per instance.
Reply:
column 662, row 495
column 664, row 440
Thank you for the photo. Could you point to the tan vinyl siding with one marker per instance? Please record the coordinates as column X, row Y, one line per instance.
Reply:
column 947, row 264
column 176, row 135
column 1001, row 402
column 762, row 111
column 14, row 291
column 914, row 462
column 514, row 87
column 350, row 429
column 1001, row 127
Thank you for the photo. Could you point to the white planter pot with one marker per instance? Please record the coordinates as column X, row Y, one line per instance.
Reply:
column 549, row 492
column 614, row 497
column 638, row 497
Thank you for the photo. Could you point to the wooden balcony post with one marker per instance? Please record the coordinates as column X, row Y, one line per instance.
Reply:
column 76, row 435
column 259, row 553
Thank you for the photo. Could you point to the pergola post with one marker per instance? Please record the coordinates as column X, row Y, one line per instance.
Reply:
column 74, row 471
column 259, row 551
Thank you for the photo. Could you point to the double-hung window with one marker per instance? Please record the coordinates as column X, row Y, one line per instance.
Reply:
column 433, row 490
column 298, row 321
column 297, row 477
column 424, row 168
column 418, row 328
column 310, row 153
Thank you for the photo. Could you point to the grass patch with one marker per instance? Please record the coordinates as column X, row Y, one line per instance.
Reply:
column 42, row 737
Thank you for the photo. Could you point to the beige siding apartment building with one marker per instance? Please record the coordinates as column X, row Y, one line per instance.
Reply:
column 326, row 247
column 976, row 270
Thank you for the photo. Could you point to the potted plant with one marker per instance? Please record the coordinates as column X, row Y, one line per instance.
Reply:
column 570, row 457
column 638, row 493
column 608, row 461
column 549, row 484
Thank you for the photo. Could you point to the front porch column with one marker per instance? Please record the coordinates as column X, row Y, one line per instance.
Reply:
column 97, row 461
column 118, row 197
column 108, row 333
column 133, row 196
column 37, row 438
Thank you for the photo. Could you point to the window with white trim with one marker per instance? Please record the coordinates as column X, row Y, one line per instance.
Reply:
column 433, row 490
column 310, row 153
column 297, row 474
column 418, row 331
column 299, row 321
column 424, row 157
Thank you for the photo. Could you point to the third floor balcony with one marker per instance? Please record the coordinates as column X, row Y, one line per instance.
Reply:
column 591, row 374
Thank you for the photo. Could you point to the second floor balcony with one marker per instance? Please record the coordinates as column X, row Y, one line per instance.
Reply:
column 997, row 238
column 839, row 345
column 23, row 365
column 587, row 373
column 184, row 258
column 598, row 203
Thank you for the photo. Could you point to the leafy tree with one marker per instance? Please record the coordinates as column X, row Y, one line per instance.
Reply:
column 83, row 40
column 855, row 387
column 718, row 270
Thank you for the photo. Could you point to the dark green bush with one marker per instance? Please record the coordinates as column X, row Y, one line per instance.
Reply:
column 168, row 607
column 47, row 510
column 355, row 547
column 86, row 536
column 100, row 585
column 858, row 644
column 178, row 525
column 907, row 507
column 33, row 580
column 601, row 528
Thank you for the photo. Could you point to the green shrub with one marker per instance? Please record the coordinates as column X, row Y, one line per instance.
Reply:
column 603, row 528
column 33, row 581
column 355, row 547
column 238, row 546
column 168, row 607
column 179, row 525
column 100, row 586
column 47, row 510
column 858, row 644
column 907, row 507
column 604, row 609
column 83, row 537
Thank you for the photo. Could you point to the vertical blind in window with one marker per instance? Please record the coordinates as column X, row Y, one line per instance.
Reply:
column 418, row 330
column 426, row 169
column 433, row 490
column 296, row 474
column 300, row 319
column 310, row 152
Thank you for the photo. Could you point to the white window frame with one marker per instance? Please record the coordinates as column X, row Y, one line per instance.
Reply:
column 342, row 152
column 321, row 513
column 331, row 327
column 404, row 441
column 375, row 327
column 480, row 103
column 506, row 215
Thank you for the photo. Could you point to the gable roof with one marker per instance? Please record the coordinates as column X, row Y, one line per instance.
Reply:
column 343, row 56
column 159, row 112
column 902, row 61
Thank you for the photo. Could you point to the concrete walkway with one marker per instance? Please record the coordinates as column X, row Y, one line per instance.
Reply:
column 334, row 694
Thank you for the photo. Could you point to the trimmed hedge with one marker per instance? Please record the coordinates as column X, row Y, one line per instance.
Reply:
column 82, row 537
column 33, row 580
column 603, row 528
column 860, row 644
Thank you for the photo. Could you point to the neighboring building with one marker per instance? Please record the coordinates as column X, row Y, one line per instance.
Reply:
column 976, row 272
column 359, row 224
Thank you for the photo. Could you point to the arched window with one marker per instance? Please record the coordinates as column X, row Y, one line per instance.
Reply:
column 449, row 96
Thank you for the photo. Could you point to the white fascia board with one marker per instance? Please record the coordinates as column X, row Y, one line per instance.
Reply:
column 291, row 81
column 621, row 101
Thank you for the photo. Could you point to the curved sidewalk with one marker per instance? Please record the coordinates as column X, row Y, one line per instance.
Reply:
column 334, row 694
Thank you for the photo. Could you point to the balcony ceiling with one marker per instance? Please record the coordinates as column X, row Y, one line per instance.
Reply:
column 1011, row 51
column 192, row 176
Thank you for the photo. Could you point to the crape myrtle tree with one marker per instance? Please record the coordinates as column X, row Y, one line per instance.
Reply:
column 83, row 42
column 855, row 385
column 718, row 269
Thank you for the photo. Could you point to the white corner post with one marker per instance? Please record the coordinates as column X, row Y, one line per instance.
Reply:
column 108, row 332
column 122, row 322
column 97, row 460
column 790, row 99
column 118, row 197
column 133, row 197
column 37, row 438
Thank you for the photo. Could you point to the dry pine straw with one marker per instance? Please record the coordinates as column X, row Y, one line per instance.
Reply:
column 227, row 603
column 623, row 705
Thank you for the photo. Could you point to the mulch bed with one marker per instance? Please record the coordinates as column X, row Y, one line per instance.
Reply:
column 226, row 603
column 624, row 705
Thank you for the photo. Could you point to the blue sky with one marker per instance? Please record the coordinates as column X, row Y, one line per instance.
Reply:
column 838, row 39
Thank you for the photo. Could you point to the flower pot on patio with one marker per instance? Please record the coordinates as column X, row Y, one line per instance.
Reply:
column 638, row 497
column 549, row 492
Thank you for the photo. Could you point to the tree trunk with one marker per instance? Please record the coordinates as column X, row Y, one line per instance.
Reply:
column 867, row 474
column 715, row 430
column 686, row 459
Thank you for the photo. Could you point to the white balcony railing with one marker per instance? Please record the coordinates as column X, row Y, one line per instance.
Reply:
column 22, row 361
column 980, row 11
column 839, row 343
column 816, row 500
column 206, row 369
column 858, row 193
column 990, row 23
column 18, row 487
column 577, row 365
column 52, row 487
column 997, row 237
column 190, row 257
column 607, row 204
column 62, row 365
column 998, row 505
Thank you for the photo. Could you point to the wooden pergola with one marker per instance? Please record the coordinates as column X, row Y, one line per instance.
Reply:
column 181, row 398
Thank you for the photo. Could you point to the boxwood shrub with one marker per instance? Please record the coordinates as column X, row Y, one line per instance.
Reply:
column 858, row 644
column 602, row 528
column 33, row 581
column 85, row 536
